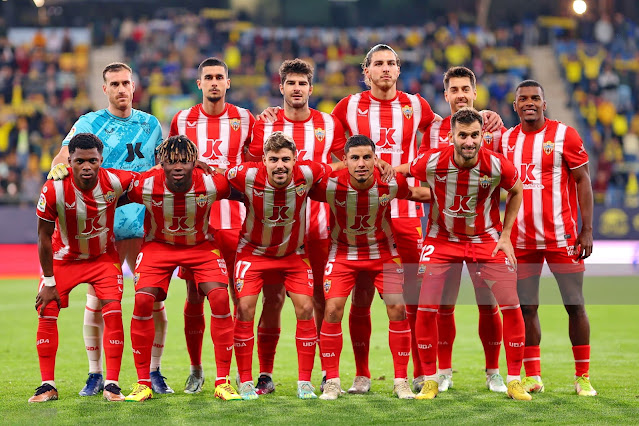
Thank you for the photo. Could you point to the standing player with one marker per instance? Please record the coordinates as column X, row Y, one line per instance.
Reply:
column 270, row 251
column 464, row 226
column 554, row 171
column 220, row 131
column 460, row 91
column 130, row 137
column 317, row 135
column 362, row 243
column 75, row 245
column 178, row 200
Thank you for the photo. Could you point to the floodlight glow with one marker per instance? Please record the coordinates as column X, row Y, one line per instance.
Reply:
column 579, row 6
column 38, row 3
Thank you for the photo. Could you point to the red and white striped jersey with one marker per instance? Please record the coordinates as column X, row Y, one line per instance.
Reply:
column 436, row 136
column 548, row 214
column 83, row 219
column 465, row 201
column 392, row 125
column 177, row 218
column 360, row 218
column 275, row 217
column 220, row 141
column 316, row 138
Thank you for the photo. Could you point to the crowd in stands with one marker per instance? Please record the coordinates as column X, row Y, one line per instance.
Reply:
column 602, row 76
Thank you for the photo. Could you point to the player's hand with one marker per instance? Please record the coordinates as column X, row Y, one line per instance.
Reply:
column 583, row 245
column 202, row 165
column 58, row 172
column 46, row 295
column 506, row 246
column 269, row 115
column 386, row 170
column 492, row 121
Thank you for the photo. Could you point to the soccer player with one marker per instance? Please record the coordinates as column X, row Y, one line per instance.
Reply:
column 460, row 91
column 270, row 251
column 556, row 179
column 178, row 200
column 221, row 132
column 464, row 226
column 75, row 245
column 362, row 243
column 317, row 136
column 130, row 138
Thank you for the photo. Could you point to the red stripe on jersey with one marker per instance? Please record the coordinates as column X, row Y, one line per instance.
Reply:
column 465, row 206
column 84, row 219
column 177, row 218
column 220, row 140
column 548, row 215
column 316, row 138
column 392, row 125
column 275, row 217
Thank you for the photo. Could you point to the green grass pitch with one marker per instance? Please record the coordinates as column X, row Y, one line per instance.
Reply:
column 615, row 354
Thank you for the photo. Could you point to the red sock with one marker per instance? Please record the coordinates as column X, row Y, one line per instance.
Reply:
column 47, row 341
column 426, row 327
column 446, row 332
column 411, row 314
column 267, row 339
column 582, row 359
column 532, row 360
column 514, row 333
column 194, row 326
column 142, row 335
column 221, row 332
column 359, row 325
column 331, row 343
column 399, row 343
column 113, row 339
column 490, row 333
column 305, row 340
column 244, row 338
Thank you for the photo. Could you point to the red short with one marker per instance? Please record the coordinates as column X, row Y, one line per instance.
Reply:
column 226, row 240
column 252, row 272
column 157, row 261
column 103, row 272
column 408, row 238
column 441, row 261
column 340, row 275
column 561, row 260
column 317, row 251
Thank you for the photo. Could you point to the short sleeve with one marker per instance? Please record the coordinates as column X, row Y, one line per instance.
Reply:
column 318, row 191
column 340, row 112
column 403, row 192
column 256, row 146
column 157, row 131
column 509, row 173
column 222, row 185
column 80, row 126
column 339, row 136
column 418, row 166
column 575, row 154
column 427, row 114
column 173, row 130
column 46, row 207
column 135, row 189
column 236, row 176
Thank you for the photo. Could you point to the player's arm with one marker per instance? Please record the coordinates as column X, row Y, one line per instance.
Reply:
column 386, row 170
column 45, row 254
column 492, row 121
column 515, row 197
column 403, row 169
column 584, row 197
column 269, row 115
column 419, row 194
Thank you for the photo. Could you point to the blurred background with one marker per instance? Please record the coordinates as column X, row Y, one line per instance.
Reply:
column 585, row 53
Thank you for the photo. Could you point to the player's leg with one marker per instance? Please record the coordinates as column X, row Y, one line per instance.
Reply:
column 446, row 329
column 359, row 325
column 490, row 334
column 318, row 256
column 194, row 326
column 92, row 330
column 268, row 334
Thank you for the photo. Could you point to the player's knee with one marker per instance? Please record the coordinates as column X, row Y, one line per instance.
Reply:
column 192, row 293
column 396, row 312
column 304, row 309
column 529, row 311
column 576, row 310
column 50, row 312
column 333, row 313
column 245, row 309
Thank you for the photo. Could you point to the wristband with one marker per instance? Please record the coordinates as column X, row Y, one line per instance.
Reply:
column 48, row 281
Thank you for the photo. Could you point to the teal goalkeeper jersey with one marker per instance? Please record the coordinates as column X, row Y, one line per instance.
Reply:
column 129, row 144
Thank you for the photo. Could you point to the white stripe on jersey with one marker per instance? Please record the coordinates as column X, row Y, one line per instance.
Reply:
column 537, row 193
column 351, row 111
column 519, row 145
column 558, row 155
column 147, row 192
column 58, row 185
column 496, row 169
column 451, row 191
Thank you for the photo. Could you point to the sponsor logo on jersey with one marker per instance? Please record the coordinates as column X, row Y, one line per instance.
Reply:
column 384, row 199
column 301, row 190
column 320, row 134
column 156, row 203
column 327, row 286
column 362, row 111
column 340, row 203
column 232, row 173
column 235, row 123
column 69, row 206
column 42, row 203
column 548, row 146
column 407, row 110
column 239, row 285
column 201, row 200
column 485, row 181
column 109, row 197
column 258, row 193
column 440, row 178
column 191, row 123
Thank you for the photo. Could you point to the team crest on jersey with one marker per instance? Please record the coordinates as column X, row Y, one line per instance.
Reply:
column 407, row 110
column 383, row 200
column 327, row 286
column 136, row 278
column 201, row 200
column 42, row 203
column 488, row 138
column 549, row 146
column 301, row 190
column 109, row 197
column 320, row 134
column 239, row 284
column 485, row 181
column 235, row 123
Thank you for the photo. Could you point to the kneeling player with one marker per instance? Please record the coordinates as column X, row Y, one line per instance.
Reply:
column 75, row 245
column 464, row 226
column 363, row 244
column 178, row 199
